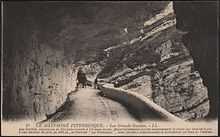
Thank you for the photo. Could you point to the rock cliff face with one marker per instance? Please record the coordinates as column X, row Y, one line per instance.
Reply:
column 37, row 77
column 38, row 73
column 158, row 59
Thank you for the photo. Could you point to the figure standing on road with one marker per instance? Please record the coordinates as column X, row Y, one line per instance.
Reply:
column 81, row 78
column 95, row 83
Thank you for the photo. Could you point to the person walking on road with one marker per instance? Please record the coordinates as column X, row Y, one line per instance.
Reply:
column 81, row 78
column 95, row 83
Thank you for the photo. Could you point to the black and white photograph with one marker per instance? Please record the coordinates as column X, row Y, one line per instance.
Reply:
column 109, row 67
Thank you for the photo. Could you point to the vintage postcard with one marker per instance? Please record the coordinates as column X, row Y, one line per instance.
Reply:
column 113, row 68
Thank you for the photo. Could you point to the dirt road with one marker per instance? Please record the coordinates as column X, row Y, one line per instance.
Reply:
column 87, row 105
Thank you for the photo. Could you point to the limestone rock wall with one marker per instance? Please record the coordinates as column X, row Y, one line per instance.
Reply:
column 178, row 87
column 40, row 78
column 158, row 59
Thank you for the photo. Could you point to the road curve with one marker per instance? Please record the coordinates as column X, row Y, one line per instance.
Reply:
column 87, row 105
